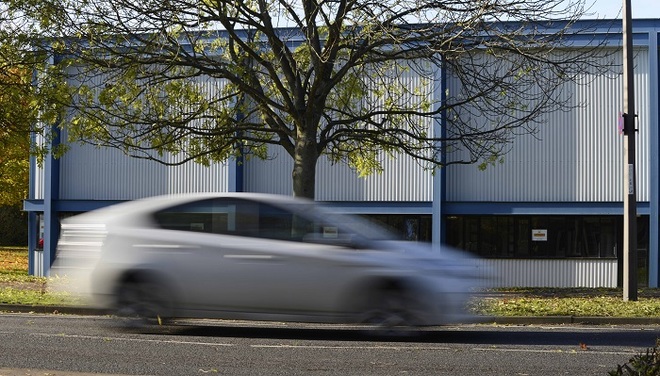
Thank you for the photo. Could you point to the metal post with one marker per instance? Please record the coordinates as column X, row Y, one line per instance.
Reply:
column 630, row 185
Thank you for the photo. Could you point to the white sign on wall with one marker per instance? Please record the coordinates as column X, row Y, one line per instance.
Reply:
column 539, row 235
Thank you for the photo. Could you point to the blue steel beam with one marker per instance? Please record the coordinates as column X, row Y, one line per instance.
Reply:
column 654, row 152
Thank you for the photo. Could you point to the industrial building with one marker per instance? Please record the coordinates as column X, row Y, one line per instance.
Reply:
column 550, row 214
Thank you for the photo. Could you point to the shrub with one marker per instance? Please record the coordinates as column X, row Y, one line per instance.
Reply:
column 13, row 226
column 647, row 364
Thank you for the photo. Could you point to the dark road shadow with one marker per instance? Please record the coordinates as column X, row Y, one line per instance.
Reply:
column 476, row 335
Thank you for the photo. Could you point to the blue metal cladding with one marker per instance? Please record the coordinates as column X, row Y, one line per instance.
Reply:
column 654, row 167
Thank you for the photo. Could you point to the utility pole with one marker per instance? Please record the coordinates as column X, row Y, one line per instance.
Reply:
column 630, row 184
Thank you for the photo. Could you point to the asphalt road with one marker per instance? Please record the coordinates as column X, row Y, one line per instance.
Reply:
column 37, row 344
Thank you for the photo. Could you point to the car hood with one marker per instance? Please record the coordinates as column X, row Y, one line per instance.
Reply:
column 435, row 260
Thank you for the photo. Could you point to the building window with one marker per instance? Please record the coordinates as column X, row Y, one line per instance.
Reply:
column 494, row 236
column 408, row 227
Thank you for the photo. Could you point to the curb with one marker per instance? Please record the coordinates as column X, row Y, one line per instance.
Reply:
column 570, row 320
column 501, row 320
column 65, row 310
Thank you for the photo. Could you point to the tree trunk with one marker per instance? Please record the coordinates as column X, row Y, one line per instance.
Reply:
column 304, row 167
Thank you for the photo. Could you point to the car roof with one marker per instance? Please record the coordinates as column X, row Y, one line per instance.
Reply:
column 158, row 202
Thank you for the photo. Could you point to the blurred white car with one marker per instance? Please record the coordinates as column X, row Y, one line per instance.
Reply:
column 261, row 257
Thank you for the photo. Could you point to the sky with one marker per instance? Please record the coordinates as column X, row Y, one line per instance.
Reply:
column 612, row 8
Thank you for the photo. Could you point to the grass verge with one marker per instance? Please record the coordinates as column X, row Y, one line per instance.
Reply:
column 566, row 302
column 17, row 287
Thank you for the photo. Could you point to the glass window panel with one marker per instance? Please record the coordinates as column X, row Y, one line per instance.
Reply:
column 523, row 235
column 407, row 227
column 201, row 216
column 561, row 236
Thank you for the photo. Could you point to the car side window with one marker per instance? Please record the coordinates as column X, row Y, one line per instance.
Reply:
column 235, row 217
column 199, row 216
column 281, row 224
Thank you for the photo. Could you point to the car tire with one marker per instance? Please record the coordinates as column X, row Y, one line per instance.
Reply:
column 143, row 303
column 391, row 312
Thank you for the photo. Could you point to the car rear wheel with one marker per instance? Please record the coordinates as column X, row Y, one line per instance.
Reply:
column 143, row 303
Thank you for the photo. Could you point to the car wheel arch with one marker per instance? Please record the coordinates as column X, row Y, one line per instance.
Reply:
column 149, row 276
column 357, row 297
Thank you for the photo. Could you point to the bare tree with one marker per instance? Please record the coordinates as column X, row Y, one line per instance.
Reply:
column 352, row 80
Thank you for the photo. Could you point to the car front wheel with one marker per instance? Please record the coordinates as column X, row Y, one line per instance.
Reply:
column 391, row 312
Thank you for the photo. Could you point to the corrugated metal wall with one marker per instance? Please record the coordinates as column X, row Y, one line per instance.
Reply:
column 552, row 273
column 578, row 155
column 90, row 173
column 271, row 175
column 38, row 188
column 38, row 175
column 402, row 179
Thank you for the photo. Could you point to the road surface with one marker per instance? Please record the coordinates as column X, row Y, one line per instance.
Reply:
column 36, row 344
